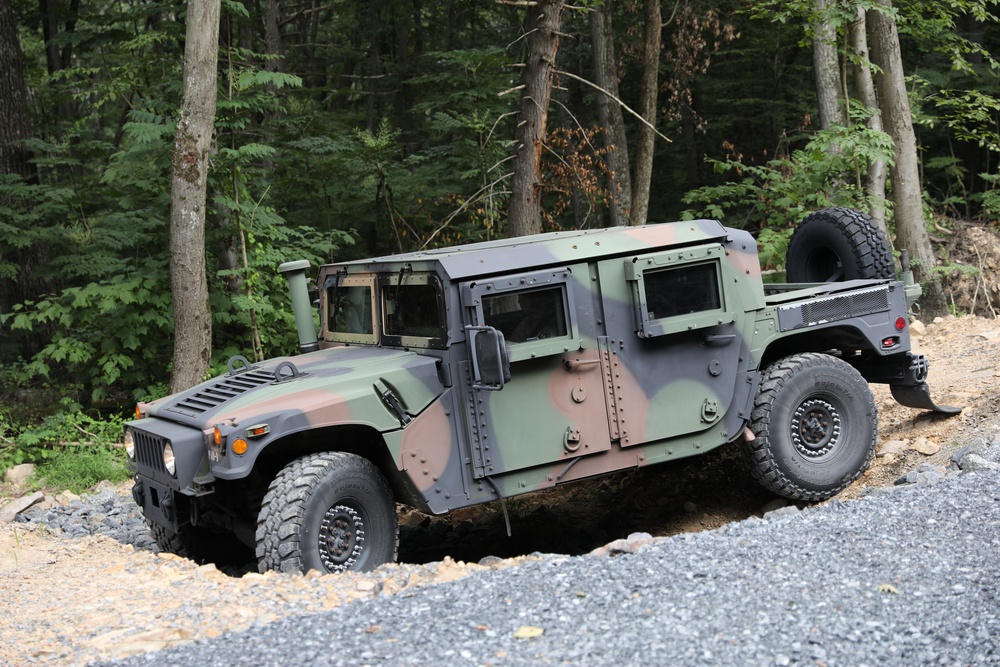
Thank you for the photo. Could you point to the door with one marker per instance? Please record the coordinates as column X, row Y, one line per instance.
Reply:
column 553, row 408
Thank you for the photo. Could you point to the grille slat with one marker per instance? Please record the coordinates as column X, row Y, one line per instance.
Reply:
column 224, row 390
column 149, row 450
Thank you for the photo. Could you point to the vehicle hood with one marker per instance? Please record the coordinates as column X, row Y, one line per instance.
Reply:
column 332, row 386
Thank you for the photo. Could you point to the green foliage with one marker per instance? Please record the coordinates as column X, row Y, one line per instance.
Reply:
column 71, row 449
column 781, row 192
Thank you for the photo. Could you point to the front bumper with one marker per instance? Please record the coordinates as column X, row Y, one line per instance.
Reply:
column 158, row 503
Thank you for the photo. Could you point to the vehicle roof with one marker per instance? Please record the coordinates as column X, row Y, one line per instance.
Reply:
column 567, row 247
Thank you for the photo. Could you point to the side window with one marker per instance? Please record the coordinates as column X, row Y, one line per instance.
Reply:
column 679, row 290
column 534, row 311
column 682, row 291
column 527, row 316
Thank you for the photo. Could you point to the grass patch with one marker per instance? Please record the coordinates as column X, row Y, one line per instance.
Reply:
column 79, row 467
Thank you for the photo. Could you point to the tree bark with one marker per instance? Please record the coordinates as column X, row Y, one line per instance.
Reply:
column 645, row 137
column 542, row 22
column 904, row 173
column 610, row 116
column 865, row 90
column 16, row 125
column 829, row 93
column 188, row 191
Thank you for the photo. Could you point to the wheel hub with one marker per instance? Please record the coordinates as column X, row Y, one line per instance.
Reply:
column 341, row 538
column 815, row 428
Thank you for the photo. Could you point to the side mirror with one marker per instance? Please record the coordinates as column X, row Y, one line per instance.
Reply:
column 490, row 361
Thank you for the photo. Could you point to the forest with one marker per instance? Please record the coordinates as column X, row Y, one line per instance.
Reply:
column 338, row 129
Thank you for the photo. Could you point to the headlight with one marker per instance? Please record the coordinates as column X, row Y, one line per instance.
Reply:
column 129, row 444
column 168, row 459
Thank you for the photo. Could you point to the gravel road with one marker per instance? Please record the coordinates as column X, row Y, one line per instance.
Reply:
column 904, row 576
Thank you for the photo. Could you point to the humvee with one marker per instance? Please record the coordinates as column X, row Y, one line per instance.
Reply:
column 445, row 378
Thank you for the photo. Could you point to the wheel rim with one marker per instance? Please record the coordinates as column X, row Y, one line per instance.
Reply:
column 816, row 428
column 825, row 266
column 341, row 538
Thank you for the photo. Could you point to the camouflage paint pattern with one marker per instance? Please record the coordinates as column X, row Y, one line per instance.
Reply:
column 623, row 388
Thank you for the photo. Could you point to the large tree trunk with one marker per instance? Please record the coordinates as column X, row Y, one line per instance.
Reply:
column 16, row 125
column 645, row 137
column 829, row 93
column 610, row 115
column 192, row 144
column 865, row 90
column 542, row 26
column 904, row 173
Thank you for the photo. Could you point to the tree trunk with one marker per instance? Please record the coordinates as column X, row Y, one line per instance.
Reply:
column 541, row 25
column 865, row 90
column 829, row 93
column 273, row 44
column 16, row 125
column 373, row 25
column 192, row 144
column 645, row 137
column 610, row 115
column 904, row 173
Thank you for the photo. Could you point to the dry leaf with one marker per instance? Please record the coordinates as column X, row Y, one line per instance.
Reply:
column 888, row 588
column 527, row 632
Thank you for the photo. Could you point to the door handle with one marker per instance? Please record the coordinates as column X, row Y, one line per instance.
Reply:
column 580, row 364
column 718, row 339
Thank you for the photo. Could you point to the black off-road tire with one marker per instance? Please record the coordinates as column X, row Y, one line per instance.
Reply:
column 838, row 244
column 815, row 422
column 329, row 512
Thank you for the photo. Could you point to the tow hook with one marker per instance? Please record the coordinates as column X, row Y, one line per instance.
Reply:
column 139, row 493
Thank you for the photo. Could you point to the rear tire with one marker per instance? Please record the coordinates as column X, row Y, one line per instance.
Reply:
column 815, row 423
column 330, row 512
column 838, row 244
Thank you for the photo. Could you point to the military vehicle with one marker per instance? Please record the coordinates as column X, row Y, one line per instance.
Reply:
column 445, row 378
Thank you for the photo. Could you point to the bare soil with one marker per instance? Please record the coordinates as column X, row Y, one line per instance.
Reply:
column 69, row 601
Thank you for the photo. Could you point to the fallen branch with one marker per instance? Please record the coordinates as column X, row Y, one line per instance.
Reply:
column 620, row 103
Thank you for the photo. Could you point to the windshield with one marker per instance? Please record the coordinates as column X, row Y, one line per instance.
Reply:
column 350, row 308
column 413, row 310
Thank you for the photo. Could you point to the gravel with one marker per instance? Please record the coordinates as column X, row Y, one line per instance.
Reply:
column 907, row 575
column 103, row 513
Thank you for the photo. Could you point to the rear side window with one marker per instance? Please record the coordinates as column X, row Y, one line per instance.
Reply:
column 678, row 290
column 682, row 291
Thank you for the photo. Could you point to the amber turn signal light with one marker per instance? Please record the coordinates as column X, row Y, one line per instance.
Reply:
column 239, row 446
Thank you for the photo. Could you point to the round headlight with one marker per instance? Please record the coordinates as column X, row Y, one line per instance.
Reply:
column 129, row 444
column 168, row 459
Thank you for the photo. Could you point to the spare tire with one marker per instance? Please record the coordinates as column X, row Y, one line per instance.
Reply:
column 838, row 244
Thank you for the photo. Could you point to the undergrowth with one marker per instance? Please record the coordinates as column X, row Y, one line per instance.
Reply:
column 70, row 448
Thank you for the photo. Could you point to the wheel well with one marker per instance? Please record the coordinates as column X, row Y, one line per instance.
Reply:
column 841, row 341
column 359, row 440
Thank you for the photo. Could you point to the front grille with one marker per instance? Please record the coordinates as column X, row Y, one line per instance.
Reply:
column 228, row 388
column 149, row 450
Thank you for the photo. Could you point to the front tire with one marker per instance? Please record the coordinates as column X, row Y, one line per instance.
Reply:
column 201, row 544
column 330, row 512
column 815, row 423
column 838, row 244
